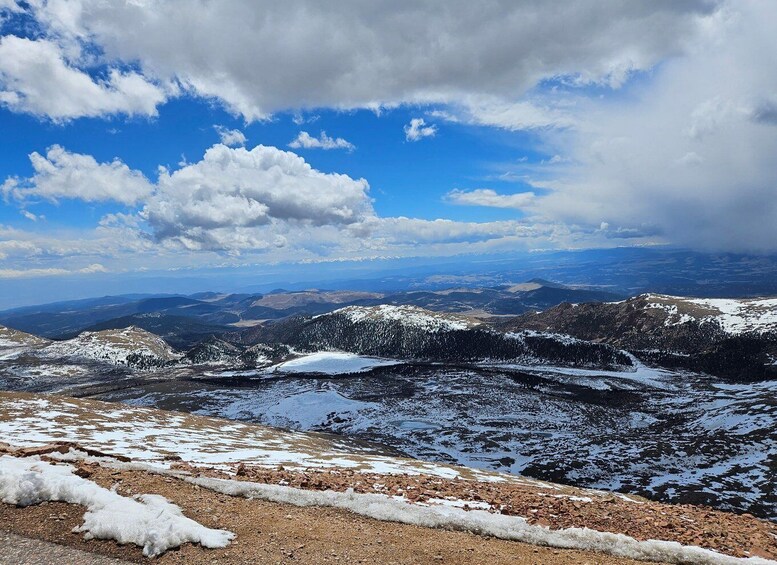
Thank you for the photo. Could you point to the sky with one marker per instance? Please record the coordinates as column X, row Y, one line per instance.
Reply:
column 144, row 136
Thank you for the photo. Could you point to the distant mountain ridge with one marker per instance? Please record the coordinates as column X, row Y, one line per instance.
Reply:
column 731, row 338
column 409, row 332
column 213, row 313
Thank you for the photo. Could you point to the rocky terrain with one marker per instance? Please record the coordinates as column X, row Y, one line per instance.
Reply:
column 734, row 338
column 412, row 333
column 608, row 395
column 255, row 478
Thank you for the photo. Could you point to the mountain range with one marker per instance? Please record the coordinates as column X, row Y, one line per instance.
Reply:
column 667, row 397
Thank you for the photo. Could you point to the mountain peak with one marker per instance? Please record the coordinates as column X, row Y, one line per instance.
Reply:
column 414, row 316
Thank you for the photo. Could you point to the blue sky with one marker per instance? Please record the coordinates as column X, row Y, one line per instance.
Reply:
column 475, row 128
column 406, row 178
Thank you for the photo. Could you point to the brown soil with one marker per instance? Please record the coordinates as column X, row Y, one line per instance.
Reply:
column 276, row 533
column 739, row 535
column 547, row 504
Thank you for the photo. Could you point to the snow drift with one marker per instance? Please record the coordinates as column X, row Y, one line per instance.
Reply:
column 147, row 520
column 381, row 507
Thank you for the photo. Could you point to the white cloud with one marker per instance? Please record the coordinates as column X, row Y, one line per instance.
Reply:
column 537, row 113
column 61, row 174
column 17, row 248
column 323, row 141
column 9, row 5
column 50, row 272
column 417, row 129
column 231, row 137
column 500, row 49
column 418, row 231
column 489, row 198
column 236, row 198
column 30, row 216
column 36, row 77
column 689, row 154
column 300, row 119
column 237, row 205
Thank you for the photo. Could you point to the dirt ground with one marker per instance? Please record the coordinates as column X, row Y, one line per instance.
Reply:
column 18, row 550
column 276, row 533
column 557, row 507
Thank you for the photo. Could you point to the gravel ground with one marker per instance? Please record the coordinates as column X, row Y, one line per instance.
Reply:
column 277, row 533
column 557, row 507
column 18, row 550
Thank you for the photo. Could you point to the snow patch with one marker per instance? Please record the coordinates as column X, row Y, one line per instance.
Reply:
column 147, row 520
column 408, row 316
column 734, row 316
column 381, row 507
column 561, row 338
column 333, row 363
column 114, row 346
column 14, row 338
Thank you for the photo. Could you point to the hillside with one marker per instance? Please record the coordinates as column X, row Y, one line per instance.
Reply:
column 735, row 338
column 132, row 347
column 11, row 338
column 204, row 463
column 179, row 331
column 409, row 332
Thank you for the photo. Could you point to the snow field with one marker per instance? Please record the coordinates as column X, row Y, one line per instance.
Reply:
column 333, row 363
column 408, row 316
column 735, row 316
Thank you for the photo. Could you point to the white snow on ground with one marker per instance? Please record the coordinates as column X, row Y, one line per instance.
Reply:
column 481, row 522
column 561, row 338
column 738, row 316
column 641, row 373
column 409, row 316
column 147, row 436
column 735, row 316
column 333, row 363
column 14, row 338
column 308, row 409
column 152, row 436
column 149, row 521
column 113, row 346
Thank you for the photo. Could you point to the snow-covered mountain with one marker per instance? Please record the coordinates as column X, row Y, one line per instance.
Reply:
column 733, row 317
column 185, row 320
column 11, row 338
column 413, row 333
column 573, row 394
column 728, row 337
column 128, row 346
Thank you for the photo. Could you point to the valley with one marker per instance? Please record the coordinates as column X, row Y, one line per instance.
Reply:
column 578, row 394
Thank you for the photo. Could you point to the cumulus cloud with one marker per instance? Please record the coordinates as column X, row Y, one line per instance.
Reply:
column 489, row 198
column 323, row 141
column 500, row 48
column 36, row 77
column 61, row 174
column 417, row 130
column 231, row 137
column 212, row 203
